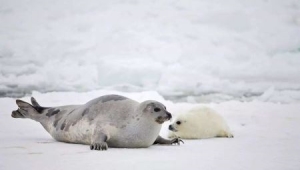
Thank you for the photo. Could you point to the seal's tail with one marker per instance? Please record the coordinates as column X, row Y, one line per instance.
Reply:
column 25, row 110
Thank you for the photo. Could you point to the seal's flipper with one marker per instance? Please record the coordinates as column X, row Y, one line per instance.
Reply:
column 34, row 102
column 37, row 106
column 99, row 140
column 163, row 141
column 25, row 110
column 17, row 114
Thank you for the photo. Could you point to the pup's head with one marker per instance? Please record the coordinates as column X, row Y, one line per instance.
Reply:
column 179, row 124
column 187, row 122
column 156, row 110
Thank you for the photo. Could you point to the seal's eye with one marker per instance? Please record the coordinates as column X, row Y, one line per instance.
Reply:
column 178, row 122
column 156, row 109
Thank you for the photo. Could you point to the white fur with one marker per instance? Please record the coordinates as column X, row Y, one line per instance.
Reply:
column 200, row 123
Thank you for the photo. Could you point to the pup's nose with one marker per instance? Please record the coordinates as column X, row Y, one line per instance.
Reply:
column 171, row 127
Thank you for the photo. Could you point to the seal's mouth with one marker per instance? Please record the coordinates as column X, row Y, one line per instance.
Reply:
column 171, row 128
column 161, row 119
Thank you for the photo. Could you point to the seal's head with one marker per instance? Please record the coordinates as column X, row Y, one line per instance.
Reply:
column 155, row 110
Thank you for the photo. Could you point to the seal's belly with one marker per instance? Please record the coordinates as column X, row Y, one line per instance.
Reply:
column 130, row 142
column 133, row 139
column 83, row 133
column 79, row 133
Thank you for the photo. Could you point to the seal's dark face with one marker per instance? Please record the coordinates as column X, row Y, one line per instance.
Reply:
column 158, row 111
column 162, row 114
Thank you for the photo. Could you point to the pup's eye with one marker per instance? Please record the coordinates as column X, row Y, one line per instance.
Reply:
column 156, row 109
column 178, row 122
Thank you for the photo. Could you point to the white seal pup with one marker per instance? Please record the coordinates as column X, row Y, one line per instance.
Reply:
column 107, row 121
column 199, row 123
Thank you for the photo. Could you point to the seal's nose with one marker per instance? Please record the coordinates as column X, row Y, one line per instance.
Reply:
column 169, row 115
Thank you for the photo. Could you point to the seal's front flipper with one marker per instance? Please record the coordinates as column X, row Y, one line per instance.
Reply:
column 160, row 140
column 99, row 146
column 99, row 142
column 25, row 110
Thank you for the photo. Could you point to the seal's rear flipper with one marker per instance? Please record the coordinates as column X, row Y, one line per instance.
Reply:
column 37, row 106
column 34, row 102
column 25, row 110
column 17, row 114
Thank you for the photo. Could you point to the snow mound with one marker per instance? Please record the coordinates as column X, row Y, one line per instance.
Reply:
column 192, row 50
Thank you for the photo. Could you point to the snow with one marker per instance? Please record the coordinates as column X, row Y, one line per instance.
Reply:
column 195, row 51
column 265, row 137
column 240, row 58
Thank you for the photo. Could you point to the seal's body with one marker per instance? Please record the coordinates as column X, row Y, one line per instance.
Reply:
column 199, row 123
column 110, row 120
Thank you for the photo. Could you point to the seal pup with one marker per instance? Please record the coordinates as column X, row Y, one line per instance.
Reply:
column 199, row 123
column 107, row 121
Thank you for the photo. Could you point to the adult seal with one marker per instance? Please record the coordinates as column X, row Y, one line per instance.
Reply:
column 107, row 121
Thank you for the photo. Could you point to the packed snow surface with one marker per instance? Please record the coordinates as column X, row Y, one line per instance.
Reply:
column 215, row 52
column 266, row 136
column 208, row 50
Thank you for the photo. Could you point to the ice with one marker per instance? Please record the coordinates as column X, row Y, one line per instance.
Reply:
column 265, row 137
column 240, row 58
column 197, row 50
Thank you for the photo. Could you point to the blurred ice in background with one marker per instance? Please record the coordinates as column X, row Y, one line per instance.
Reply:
column 194, row 51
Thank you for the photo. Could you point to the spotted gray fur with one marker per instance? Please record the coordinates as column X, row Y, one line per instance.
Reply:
column 71, row 111
column 63, row 125
column 86, row 111
column 52, row 112
column 58, row 117
column 112, row 98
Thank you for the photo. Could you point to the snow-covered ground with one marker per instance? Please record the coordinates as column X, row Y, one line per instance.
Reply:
column 208, row 50
column 266, row 137
column 219, row 53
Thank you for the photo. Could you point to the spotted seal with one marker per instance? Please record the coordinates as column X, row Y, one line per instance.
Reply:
column 107, row 121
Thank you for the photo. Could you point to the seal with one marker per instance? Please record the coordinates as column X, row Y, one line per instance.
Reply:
column 199, row 123
column 107, row 121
